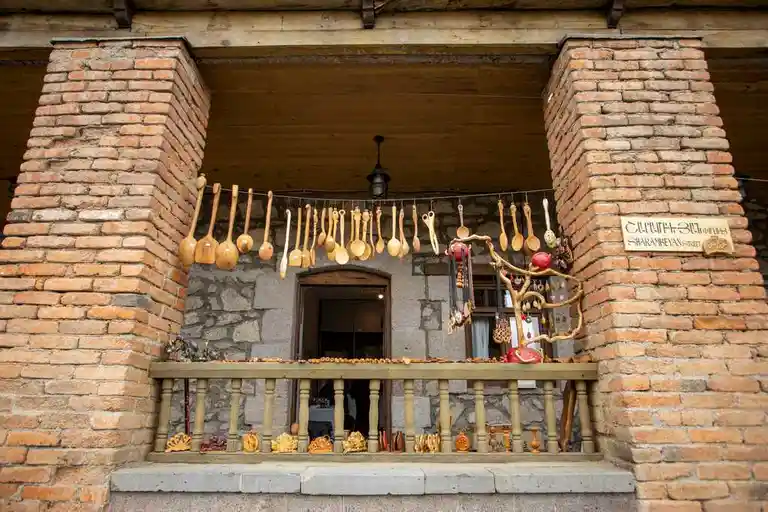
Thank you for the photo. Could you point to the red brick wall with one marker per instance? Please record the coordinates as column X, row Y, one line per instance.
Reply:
column 633, row 128
column 91, row 285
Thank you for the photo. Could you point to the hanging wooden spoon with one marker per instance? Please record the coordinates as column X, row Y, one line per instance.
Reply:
column 314, row 238
column 531, row 241
column 404, row 249
column 416, row 242
column 330, row 240
column 187, row 246
column 284, row 261
column 245, row 241
column 517, row 239
column 503, row 242
column 429, row 221
column 321, row 238
column 205, row 250
column 294, row 258
column 380, row 241
column 370, row 237
column 305, row 256
column 462, row 231
column 393, row 246
column 266, row 249
column 368, row 248
column 357, row 248
column 549, row 236
column 226, row 252
column 342, row 256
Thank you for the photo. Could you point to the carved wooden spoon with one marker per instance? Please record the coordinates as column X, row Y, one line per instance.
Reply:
column 187, row 246
column 531, row 242
column 226, row 252
column 330, row 240
column 294, row 258
column 342, row 256
column 245, row 241
column 517, row 240
column 380, row 241
column 404, row 249
column 306, row 257
column 284, row 260
column 462, row 231
column 503, row 242
column 205, row 250
column 416, row 242
column 393, row 246
column 321, row 237
column 549, row 236
column 266, row 249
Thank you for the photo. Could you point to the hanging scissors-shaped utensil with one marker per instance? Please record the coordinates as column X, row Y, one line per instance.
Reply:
column 429, row 220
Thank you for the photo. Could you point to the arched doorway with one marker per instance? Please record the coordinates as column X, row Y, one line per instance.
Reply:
column 343, row 312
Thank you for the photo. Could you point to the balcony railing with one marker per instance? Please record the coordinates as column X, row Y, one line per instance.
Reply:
column 548, row 376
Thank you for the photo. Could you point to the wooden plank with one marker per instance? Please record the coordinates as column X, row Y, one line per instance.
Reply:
column 417, row 371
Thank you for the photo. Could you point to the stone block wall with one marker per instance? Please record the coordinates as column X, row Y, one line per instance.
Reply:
column 682, row 340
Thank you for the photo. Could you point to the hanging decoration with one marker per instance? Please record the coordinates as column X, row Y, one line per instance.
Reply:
column 461, row 292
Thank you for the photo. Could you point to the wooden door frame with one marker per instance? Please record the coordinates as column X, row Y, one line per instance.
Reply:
column 344, row 275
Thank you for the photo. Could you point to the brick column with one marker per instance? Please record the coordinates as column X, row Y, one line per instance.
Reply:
column 91, row 285
column 633, row 128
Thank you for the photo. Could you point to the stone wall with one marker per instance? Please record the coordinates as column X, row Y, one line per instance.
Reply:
column 249, row 312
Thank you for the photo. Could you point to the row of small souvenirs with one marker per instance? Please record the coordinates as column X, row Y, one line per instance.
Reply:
column 355, row 443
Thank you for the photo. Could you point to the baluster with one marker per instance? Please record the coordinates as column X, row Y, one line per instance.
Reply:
column 480, row 435
column 587, row 443
column 373, row 416
column 233, row 439
column 410, row 434
column 445, row 417
column 549, row 412
column 338, row 415
column 197, row 430
column 514, row 413
column 266, row 426
column 164, row 416
column 303, row 414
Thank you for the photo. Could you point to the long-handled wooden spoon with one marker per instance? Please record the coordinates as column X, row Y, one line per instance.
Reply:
column 503, row 241
column 245, row 241
column 187, row 246
column 226, row 252
column 330, row 240
column 321, row 238
column 342, row 256
column 205, row 250
column 517, row 239
column 266, row 249
column 284, row 260
column 368, row 248
column 549, row 236
column 314, row 238
column 393, row 246
column 404, row 249
column 531, row 241
column 305, row 256
column 462, row 231
column 380, row 241
column 294, row 258
column 416, row 242
column 357, row 248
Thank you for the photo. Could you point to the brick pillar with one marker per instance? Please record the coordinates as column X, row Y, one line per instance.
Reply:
column 633, row 128
column 91, row 285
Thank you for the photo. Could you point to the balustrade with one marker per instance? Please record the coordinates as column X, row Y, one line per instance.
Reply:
column 485, row 441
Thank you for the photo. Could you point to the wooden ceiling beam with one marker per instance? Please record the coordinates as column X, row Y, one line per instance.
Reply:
column 615, row 11
column 123, row 11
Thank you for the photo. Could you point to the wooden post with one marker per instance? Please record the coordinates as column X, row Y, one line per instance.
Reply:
column 410, row 434
column 338, row 415
column 445, row 417
column 233, row 439
column 197, row 430
column 373, row 416
column 303, row 414
column 164, row 415
column 514, row 413
column 549, row 412
column 266, row 426
column 587, row 442
column 480, row 435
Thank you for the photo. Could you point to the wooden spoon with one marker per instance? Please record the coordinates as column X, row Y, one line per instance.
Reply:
column 357, row 248
column 342, row 256
column 284, row 261
column 416, row 242
column 429, row 221
column 245, row 241
column 370, row 238
column 330, row 240
column 321, row 238
column 205, row 250
column 305, row 256
column 266, row 249
column 404, row 249
column 294, row 258
column 314, row 239
column 531, row 242
column 393, row 246
column 503, row 242
column 380, row 241
column 517, row 239
column 187, row 246
column 226, row 252
column 549, row 236
column 462, row 231
column 368, row 247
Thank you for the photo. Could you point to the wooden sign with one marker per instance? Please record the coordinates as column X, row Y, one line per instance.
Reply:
column 710, row 235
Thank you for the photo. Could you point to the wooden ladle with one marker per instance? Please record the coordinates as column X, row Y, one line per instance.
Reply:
column 462, row 231
column 330, row 240
column 368, row 248
column 549, row 236
column 321, row 237
column 532, row 242
column 226, row 252
column 284, row 260
column 341, row 254
column 294, row 258
column 517, row 239
column 245, row 241
column 314, row 239
column 357, row 247
column 306, row 257
column 205, row 250
column 393, row 246
column 416, row 242
column 380, row 241
column 266, row 249
column 187, row 246
column 370, row 237
column 404, row 248
column 503, row 241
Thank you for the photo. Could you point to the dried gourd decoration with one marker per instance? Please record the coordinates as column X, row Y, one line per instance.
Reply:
column 180, row 442
column 462, row 442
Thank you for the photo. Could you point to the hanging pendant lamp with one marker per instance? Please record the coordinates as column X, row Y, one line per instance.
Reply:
column 378, row 178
